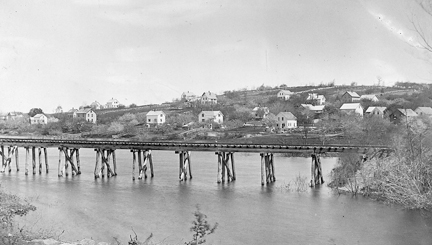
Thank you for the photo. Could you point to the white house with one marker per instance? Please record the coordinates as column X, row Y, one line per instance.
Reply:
column 188, row 96
column 112, row 103
column 424, row 111
column 208, row 98
column 376, row 111
column 260, row 112
column 370, row 97
column 39, row 119
column 351, row 108
column 96, row 105
column 286, row 120
column 285, row 94
column 86, row 114
column 213, row 116
column 318, row 97
column 155, row 117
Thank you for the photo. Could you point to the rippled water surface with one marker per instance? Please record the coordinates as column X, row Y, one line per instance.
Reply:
column 247, row 213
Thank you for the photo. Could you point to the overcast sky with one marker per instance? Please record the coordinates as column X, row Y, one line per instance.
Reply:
column 71, row 53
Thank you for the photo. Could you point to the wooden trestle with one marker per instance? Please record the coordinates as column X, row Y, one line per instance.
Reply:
column 184, row 165
column 104, row 158
column 316, row 171
column 144, row 159
column 224, row 160
column 267, row 168
column 142, row 153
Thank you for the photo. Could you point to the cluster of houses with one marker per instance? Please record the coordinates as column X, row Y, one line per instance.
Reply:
column 284, row 120
column 206, row 98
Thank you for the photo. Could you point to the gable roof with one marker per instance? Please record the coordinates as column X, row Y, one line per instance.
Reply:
column 408, row 112
column 350, row 106
column 424, row 110
column 287, row 115
column 83, row 111
column 188, row 94
column 285, row 92
column 262, row 108
column 155, row 113
column 210, row 113
column 39, row 116
column 209, row 95
column 352, row 94
column 370, row 109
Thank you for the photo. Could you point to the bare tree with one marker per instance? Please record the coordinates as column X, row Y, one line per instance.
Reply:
column 422, row 27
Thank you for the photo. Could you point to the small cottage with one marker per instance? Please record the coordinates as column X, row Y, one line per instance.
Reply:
column 286, row 120
column 155, row 117
column 210, row 116
column 86, row 114
column 284, row 94
column 349, row 97
column 39, row 119
column 352, row 108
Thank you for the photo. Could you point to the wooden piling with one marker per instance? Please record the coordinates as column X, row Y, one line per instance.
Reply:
column 233, row 167
column 17, row 159
column 40, row 159
column 46, row 159
column 262, row 168
column 139, row 165
column 60, row 168
column 181, row 165
column 115, row 163
column 96, row 171
column 189, row 164
column 133, row 163
column 34, row 159
column 316, row 171
column 78, row 161
column 219, row 170
column 26, row 162
column 2, row 155
column 151, row 163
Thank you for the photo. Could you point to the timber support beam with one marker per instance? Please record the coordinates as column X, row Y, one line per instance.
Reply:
column 267, row 168
column 316, row 171
column 225, row 164
column 184, row 165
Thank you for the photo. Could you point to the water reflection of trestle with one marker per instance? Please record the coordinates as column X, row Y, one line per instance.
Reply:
column 142, row 154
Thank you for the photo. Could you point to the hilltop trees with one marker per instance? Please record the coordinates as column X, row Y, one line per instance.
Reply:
column 35, row 111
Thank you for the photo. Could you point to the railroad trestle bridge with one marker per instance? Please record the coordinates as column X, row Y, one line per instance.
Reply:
column 142, row 156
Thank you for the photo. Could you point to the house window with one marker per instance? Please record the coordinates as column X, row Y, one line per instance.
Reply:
column 202, row 115
column 161, row 119
column 149, row 120
column 282, row 118
column 203, row 120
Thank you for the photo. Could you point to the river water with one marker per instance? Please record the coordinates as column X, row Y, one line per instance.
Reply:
column 247, row 212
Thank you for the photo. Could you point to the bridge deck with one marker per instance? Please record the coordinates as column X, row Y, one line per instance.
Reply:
column 185, row 146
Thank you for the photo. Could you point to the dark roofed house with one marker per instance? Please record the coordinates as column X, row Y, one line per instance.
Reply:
column 349, row 97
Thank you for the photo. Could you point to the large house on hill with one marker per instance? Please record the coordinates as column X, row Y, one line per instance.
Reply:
column 96, row 105
column 39, row 119
column 284, row 94
column 210, row 116
column 86, row 114
column 188, row 96
column 208, row 98
column 319, row 98
column 155, row 117
column 349, row 97
column 286, row 120
column 112, row 103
